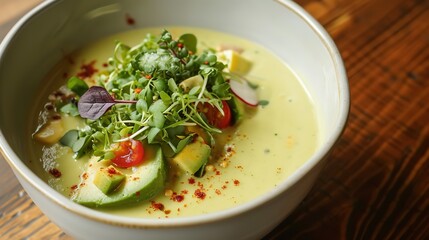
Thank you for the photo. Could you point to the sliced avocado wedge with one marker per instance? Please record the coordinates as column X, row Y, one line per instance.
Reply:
column 193, row 156
column 191, row 82
column 108, row 179
column 50, row 133
column 238, row 109
column 199, row 131
column 141, row 183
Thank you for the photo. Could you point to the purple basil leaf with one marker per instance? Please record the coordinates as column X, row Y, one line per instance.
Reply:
column 95, row 102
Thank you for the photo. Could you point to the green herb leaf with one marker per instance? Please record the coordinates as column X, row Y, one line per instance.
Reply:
column 141, row 106
column 158, row 119
column 70, row 108
column 157, row 106
column 109, row 155
column 69, row 138
column 172, row 85
column 182, row 143
column 152, row 134
column 221, row 90
column 80, row 146
column 263, row 103
column 190, row 41
column 77, row 85
column 253, row 85
column 165, row 98
column 194, row 90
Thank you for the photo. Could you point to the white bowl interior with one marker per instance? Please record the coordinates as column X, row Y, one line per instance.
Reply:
column 284, row 28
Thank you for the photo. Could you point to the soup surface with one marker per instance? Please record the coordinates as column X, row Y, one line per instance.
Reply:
column 264, row 149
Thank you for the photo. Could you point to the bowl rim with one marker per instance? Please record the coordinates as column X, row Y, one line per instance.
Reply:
column 26, row 174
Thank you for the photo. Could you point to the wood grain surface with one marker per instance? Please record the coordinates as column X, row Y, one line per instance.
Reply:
column 376, row 183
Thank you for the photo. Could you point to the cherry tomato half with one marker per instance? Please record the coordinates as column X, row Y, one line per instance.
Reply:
column 215, row 117
column 129, row 154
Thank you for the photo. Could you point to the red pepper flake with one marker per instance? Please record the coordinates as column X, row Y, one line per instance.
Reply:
column 184, row 191
column 130, row 20
column 111, row 170
column 137, row 90
column 167, row 212
column 206, row 62
column 180, row 45
column 178, row 198
column 85, row 175
column 74, row 187
column 105, row 65
column 236, row 182
column 87, row 70
column 224, row 187
column 191, row 181
column 200, row 194
column 138, row 194
column 56, row 117
column 218, row 192
column 55, row 172
column 148, row 76
column 136, row 178
column 157, row 206
column 217, row 172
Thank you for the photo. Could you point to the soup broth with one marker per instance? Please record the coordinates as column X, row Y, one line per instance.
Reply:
column 263, row 150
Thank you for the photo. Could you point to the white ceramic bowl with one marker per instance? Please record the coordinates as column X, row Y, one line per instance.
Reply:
column 40, row 39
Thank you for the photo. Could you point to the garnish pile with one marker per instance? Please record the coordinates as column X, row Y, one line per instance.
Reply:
column 153, row 92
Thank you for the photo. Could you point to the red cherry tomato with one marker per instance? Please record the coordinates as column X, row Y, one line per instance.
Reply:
column 129, row 154
column 215, row 117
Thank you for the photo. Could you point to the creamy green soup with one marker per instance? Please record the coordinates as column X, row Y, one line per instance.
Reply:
column 270, row 143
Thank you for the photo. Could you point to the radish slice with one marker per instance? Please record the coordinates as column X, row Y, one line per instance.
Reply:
column 244, row 92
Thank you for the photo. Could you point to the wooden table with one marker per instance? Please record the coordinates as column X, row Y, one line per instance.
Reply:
column 376, row 184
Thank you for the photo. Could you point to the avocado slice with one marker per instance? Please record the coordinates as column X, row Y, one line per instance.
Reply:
column 198, row 131
column 108, row 179
column 238, row 109
column 50, row 133
column 141, row 183
column 193, row 156
column 191, row 82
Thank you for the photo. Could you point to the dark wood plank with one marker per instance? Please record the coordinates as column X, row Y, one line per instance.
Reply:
column 375, row 185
